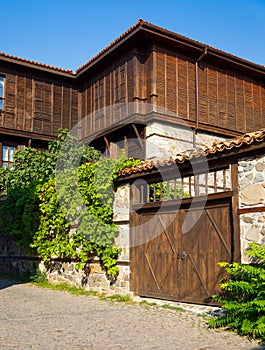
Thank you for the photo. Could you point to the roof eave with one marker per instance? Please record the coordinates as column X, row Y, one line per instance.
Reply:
column 175, row 37
column 38, row 67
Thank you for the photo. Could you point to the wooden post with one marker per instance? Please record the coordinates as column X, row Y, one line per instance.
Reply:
column 235, row 216
column 134, row 198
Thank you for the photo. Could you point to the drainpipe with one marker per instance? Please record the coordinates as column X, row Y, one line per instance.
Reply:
column 197, row 94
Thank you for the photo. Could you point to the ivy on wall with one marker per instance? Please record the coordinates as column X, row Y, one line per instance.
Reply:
column 65, row 214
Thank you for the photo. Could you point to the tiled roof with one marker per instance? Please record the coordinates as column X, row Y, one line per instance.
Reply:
column 149, row 26
column 142, row 23
column 180, row 158
column 42, row 65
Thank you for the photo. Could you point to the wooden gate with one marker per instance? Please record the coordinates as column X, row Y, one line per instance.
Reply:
column 169, row 264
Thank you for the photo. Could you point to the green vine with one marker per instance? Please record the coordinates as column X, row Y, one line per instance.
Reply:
column 64, row 212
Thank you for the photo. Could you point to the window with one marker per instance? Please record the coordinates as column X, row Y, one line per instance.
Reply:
column 42, row 101
column 99, row 94
column 120, row 87
column 7, row 155
column 1, row 93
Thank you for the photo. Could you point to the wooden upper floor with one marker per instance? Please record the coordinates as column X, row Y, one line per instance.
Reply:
column 200, row 86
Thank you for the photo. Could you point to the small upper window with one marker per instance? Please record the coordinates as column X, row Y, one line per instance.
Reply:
column 7, row 155
column 1, row 93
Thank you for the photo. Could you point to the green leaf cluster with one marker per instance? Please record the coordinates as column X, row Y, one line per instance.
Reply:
column 58, row 202
column 243, row 295
column 163, row 191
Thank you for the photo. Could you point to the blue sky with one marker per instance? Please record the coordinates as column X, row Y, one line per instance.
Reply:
column 67, row 33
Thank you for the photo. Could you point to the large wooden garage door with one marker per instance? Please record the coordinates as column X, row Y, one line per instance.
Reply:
column 167, row 263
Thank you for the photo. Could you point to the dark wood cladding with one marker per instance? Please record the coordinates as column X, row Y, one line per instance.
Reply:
column 230, row 101
column 39, row 101
column 114, row 85
column 37, row 105
column 227, row 100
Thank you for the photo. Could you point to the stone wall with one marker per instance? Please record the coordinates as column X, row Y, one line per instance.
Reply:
column 121, row 208
column 163, row 140
column 94, row 277
column 13, row 259
column 251, row 173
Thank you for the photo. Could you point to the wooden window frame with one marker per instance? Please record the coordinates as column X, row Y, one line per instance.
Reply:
column 9, row 157
column 120, row 84
column 99, row 88
column 42, row 101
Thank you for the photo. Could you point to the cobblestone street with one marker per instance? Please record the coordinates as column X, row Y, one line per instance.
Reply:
column 35, row 318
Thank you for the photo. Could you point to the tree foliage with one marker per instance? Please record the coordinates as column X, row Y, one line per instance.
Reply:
column 59, row 201
column 243, row 295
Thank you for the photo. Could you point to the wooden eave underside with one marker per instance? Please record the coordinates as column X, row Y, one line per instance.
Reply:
column 26, row 134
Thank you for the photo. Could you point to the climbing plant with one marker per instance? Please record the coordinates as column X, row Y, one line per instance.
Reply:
column 243, row 295
column 59, row 202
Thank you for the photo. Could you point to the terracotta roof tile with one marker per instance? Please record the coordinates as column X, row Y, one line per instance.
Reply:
column 180, row 158
column 139, row 23
column 143, row 23
column 38, row 64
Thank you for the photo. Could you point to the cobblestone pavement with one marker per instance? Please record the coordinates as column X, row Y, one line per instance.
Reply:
column 35, row 318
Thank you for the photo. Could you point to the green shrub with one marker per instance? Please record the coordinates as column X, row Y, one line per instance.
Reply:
column 243, row 296
column 38, row 277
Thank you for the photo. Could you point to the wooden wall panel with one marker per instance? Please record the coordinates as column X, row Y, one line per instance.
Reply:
column 212, row 96
column 231, row 101
column 10, row 102
column 66, row 117
column 191, row 92
column 257, row 107
column 203, row 93
column 114, row 84
column 226, row 100
column 262, row 105
column 35, row 104
column 29, row 105
column 130, row 79
column 57, row 107
column 240, row 104
column 74, row 107
column 170, row 78
column 160, row 78
column 248, row 97
column 149, row 77
column 222, row 99
column 20, row 103
column 182, row 88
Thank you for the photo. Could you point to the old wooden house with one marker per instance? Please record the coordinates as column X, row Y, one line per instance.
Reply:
column 144, row 92
column 199, row 86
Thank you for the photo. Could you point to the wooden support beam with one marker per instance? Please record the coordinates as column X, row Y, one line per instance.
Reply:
column 138, row 136
column 251, row 210
column 107, row 143
column 235, row 216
